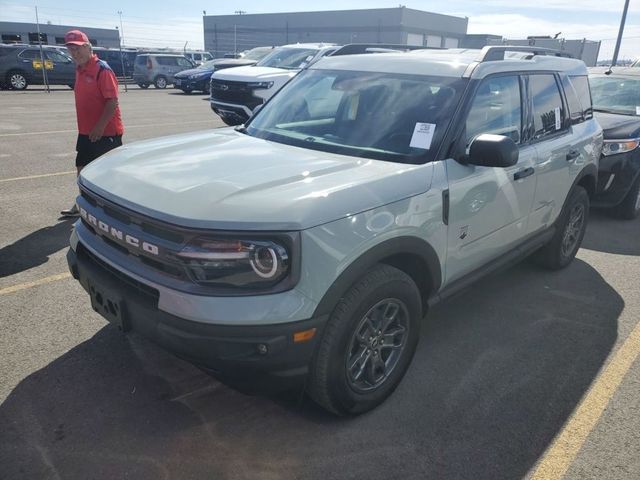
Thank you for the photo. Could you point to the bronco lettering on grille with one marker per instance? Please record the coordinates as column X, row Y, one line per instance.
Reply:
column 107, row 230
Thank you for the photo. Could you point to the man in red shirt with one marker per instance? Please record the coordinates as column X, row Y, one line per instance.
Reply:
column 100, row 125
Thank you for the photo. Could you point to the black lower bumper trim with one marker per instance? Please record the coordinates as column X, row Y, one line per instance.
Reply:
column 251, row 357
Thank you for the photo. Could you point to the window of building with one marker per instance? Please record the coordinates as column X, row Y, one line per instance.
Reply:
column 11, row 38
column 450, row 42
column 33, row 38
column 59, row 40
column 433, row 41
column 496, row 109
column 548, row 110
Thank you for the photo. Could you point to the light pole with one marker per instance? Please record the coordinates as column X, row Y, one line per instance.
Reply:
column 619, row 41
column 124, row 73
column 121, row 29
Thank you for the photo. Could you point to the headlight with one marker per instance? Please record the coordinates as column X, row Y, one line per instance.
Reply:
column 619, row 146
column 235, row 262
column 262, row 85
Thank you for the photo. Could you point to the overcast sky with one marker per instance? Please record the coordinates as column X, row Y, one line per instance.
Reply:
column 171, row 24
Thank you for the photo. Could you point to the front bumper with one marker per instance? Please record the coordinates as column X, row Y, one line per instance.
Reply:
column 187, row 85
column 616, row 175
column 260, row 358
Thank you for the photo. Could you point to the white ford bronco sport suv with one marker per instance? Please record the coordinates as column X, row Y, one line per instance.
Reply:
column 307, row 245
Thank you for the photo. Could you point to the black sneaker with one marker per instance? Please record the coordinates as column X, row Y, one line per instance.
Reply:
column 71, row 212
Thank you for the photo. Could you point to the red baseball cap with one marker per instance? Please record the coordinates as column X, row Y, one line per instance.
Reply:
column 75, row 37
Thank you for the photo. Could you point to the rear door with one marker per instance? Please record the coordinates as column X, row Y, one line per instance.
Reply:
column 552, row 137
column 490, row 207
column 30, row 61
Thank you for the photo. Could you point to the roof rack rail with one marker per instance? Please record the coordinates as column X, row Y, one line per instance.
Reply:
column 496, row 52
column 355, row 48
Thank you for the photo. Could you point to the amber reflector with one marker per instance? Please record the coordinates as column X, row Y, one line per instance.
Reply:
column 304, row 336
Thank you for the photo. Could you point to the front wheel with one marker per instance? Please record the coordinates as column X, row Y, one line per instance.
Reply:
column 160, row 82
column 367, row 344
column 570, row 228
column 629, row 209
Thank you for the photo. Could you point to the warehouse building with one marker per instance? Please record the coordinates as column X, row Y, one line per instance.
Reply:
column 13, row 32
column 235, row 33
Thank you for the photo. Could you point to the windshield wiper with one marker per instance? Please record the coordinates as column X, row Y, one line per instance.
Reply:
column 241, row 129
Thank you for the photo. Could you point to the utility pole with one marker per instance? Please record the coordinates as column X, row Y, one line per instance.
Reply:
column 124, row 74
column 44, row 69
column 619, row 41
column 121, row 29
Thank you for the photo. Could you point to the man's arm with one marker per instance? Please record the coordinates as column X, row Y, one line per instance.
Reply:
column 107, row 113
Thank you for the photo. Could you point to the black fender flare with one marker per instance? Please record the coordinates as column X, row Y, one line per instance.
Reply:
column 389, row 252
column 590, row 170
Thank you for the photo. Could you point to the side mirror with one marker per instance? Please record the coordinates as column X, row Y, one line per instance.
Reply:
column 488, row 150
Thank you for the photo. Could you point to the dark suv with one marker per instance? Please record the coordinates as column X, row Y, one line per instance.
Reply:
column 21, row 65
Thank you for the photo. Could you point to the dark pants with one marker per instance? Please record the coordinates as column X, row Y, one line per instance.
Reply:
column 89, row 151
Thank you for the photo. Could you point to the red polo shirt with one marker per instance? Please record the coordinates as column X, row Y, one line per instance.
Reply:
column 95, row 84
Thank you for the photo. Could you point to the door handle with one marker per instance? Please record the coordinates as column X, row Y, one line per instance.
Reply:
column 572, row 155
column 523, row 173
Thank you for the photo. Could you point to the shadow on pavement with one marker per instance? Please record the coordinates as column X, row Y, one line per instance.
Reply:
column 35, row 248
column 498, row 371
column 612, row 235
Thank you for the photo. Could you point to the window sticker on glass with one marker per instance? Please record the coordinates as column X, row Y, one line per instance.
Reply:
column 422, row 135
column 558, row 122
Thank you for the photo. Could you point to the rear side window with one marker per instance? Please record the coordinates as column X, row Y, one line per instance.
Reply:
column 581, row 85
column 30, row 54
column 166, row 61
column 141, row 60
column 548, row 110
column 184, row 62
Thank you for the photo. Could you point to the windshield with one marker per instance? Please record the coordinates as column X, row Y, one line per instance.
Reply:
column 257, row 53
column 208, row 65
column 384, row 116
column 289, row 58
column 615, row 94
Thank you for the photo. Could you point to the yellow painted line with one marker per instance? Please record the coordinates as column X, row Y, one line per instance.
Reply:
column 567, row 445
column 42, row 281
column 36, row 176
column 127, row 126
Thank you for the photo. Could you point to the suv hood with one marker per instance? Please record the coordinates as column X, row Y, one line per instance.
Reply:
column 618, row 126
column 253, row 73
column 193, row 71
column 229, row 180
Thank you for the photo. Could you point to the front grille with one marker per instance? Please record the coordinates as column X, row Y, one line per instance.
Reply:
column 157, row 234
column 238, row 93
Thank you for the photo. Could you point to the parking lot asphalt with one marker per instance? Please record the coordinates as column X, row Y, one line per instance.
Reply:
column 528, row 374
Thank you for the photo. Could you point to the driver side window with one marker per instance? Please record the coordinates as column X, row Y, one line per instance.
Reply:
column 496, row 109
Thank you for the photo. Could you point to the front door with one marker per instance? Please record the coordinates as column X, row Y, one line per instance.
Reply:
column 489, row 207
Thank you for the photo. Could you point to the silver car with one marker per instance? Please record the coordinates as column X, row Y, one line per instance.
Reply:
column 158, row 69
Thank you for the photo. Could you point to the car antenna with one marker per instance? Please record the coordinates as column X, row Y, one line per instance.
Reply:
column 609, row 71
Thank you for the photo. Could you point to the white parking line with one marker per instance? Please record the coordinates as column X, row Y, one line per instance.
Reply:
column 156, row 125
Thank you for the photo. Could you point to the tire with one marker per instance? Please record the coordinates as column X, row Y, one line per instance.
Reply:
column 571, row 226
column 160, row 82
column 143, row 85
column 629, row 209
column 353, row 370
column 16, row 80
column 187, row 92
